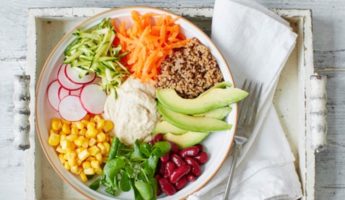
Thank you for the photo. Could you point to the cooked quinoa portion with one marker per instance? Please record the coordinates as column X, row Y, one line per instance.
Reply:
column 190, row 70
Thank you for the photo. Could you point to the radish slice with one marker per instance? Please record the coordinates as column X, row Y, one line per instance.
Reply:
column 93, row 98
column 63, row 93
column 70, row 108
column 76, row 92
column 73, row 75
column 65, row 82
column 53, row 94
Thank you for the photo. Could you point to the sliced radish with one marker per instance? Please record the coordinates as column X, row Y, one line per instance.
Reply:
column 63, row 92
column 53, row 94
column 73, row 75
column 65, row 82
column 93, row 98
column 70, row 108
column 76, row 92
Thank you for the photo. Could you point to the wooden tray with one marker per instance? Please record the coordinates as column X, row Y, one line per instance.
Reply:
column 292, row 99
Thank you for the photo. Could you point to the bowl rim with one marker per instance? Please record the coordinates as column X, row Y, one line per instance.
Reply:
column 85, row 21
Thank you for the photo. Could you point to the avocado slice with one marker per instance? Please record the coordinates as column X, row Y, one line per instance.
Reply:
column 166, row 127
column 219, row 113
column 214, row 98
column 192, row 123
column 186, row 140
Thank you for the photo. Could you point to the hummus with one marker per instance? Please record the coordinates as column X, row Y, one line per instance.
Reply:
column 133, row 112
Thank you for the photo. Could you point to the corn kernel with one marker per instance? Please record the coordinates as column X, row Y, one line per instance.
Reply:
column 86, row 164
column 60, row 150
column 62, row 138
column 102, row 148
column 67, row 166
column 108, row 126
column 93, row 150
column 56, row 124
column 82, row 131
column 71, row 137
column 91, row 133
column 91, row 125
column 74, row 131
column 83, row 155
column 95, row 164
column 97, row 118
column 85, row 122
column 106, row 146
column 83, row 177
column 78, row 150
column 75, row 169
column 61, row 158
column 66, row 122
column 71, row 157
column 85, row 143
column 100, row 124
column 54, row 139
column 99, row 157
column 89, row 171
column 92, row 141
column 101, row 137
column 79, row 141
column 65, row 144
column 79, row 125
column 66, row 128
column 91, row 158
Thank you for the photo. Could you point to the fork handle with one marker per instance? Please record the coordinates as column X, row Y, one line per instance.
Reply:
column 237, row 150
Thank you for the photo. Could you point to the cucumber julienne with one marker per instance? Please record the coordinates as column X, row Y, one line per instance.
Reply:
column 93, row 51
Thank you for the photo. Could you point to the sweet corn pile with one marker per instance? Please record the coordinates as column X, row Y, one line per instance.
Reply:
column 82, row 146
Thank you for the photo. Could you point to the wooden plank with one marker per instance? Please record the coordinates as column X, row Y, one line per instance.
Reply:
column 12, row 184
column 328, row 23
column 330, row 179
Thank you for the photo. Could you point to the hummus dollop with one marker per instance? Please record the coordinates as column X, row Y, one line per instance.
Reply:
column 133, row 112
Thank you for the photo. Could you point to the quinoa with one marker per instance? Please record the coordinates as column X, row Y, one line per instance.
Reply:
column 190, row 70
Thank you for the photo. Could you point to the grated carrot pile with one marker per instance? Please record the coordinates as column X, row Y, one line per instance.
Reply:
column 148, row 41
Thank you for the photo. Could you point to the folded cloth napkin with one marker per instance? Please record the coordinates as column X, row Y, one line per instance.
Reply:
column 256, row 43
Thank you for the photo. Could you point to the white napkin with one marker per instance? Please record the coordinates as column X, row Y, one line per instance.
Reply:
column 256, row 44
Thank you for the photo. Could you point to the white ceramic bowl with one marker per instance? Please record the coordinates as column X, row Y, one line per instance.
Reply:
column 217, row 144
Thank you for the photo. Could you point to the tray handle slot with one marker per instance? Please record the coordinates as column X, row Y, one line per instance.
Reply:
column 21, row 100
column 318, row 112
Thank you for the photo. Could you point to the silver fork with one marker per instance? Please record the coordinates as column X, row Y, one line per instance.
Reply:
column 246, row 122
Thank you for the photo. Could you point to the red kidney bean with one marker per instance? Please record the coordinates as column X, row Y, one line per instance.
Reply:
column 202, row 157
column 177, row 160
column 200, row 146
column 166, row 186
column 190, row 151
column 165, row 158
column 159, row 190
column 162, row 168
column 179, row 173
column 169, row 169
column 191, row 177
column 157, row 138
column 174, row 147
column 181, row 183
column 196, row 170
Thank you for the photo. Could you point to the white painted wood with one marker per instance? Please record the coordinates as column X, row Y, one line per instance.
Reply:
column 329, row 56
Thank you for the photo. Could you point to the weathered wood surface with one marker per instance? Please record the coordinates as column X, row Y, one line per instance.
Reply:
column 329, row 56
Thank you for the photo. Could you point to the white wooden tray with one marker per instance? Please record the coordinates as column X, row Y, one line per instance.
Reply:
column 292, row 99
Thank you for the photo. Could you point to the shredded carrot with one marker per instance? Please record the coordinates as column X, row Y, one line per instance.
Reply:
column 148, row 41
